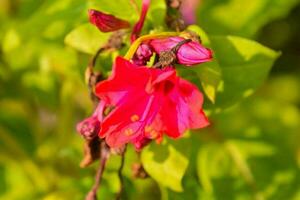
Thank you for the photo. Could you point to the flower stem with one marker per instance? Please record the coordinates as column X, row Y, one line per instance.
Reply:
column 92, row 195
column 118, row 197
column 141, row 39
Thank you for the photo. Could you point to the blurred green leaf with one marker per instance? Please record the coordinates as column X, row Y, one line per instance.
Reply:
column 124, row 9
column 254, row 148
column 239, row 17
column 203, row 169
column 86, row 38
column 156, row 13
column 212, row 163
column 11, row 41
column 166, row 163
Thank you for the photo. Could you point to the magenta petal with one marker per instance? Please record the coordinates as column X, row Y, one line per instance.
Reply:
column 183, row 109
column 193, row 53
column 139, row 25
column 106, row 22
column 127, row 122
column 123, row 80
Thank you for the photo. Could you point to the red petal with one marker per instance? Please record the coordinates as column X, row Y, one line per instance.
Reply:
column 106, row 22
column 125, row 77
column 128, row 121
column 183, row 109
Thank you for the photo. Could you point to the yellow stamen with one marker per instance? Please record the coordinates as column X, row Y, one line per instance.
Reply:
column 153, row 134
column 148, row 128
column 134, row 118
column 128, row 132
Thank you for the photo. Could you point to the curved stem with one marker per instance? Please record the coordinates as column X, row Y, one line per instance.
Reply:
column 141, row 39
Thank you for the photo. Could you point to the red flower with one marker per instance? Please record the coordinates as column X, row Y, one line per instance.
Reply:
column 148, row 103
column 106, row 22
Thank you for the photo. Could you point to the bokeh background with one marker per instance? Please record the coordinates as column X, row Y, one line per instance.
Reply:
column 43, row 96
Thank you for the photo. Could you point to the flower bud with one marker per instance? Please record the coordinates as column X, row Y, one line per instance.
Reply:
column 106, row 22
column 89, row 127
column 190, row 53
column 142, row 55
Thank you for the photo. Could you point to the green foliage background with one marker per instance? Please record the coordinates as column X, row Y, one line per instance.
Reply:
column 251, row 150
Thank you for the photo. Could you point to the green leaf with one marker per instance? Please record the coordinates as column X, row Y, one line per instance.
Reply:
column 156, row 13
column 212, row 163
column 254, row 148
column 11, row 41
column 86, row 38
column 245, row 65
column 167, row 163
column 239, row 17
column 203, row 170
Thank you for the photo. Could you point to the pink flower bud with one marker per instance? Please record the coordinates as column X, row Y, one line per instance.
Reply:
column 142, row 55
column 106, row 22
column 190, row 53
column 89, row 127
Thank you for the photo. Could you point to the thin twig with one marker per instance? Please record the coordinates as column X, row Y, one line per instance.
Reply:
column 92, row 195
column 118, row 197
column 95, row 57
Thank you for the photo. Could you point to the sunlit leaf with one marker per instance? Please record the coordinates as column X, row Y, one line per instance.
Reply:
column 86, row 38
column 166, row 163
column 239, row 17
column 245, row 65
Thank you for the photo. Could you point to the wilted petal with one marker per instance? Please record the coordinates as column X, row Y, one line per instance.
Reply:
column 106, row 22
